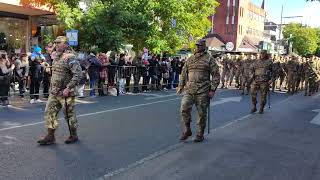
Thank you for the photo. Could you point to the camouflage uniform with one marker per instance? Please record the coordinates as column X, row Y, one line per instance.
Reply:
column 225, row 75
column 246, row 75
column 292, row 67
column 66, row 73
column 261, row 71
column 195, row 81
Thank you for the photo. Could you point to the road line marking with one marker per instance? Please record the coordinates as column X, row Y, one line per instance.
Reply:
column 84, row 102
column 14, row 107
column 160, row 96
column 94, row 113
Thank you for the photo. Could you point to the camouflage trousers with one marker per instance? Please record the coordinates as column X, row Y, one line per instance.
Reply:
column 54, row 105
column 263, row 87
column 225, row 75
column 201, row 101
column 292, row 78
column 245, row 84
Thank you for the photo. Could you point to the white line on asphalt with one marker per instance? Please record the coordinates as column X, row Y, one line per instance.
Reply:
column 160, row 96
column 14, row 107
column 84, row 102
column 94, row 113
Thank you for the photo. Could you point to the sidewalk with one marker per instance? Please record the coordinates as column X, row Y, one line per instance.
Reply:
column 282, row 144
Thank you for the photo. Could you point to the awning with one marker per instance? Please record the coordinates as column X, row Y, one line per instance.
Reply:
column 13, row 6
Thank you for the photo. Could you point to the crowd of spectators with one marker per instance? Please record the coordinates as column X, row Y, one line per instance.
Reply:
column 101, row 72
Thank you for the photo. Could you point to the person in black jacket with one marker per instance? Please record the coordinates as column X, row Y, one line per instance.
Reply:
column 36, row 75
column 5, row 70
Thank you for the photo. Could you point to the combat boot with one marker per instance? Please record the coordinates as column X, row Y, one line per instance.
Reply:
column 261, row 110
column 73, row 136
column 48, row 139
column 253, row 109
column 199, row 137
column 187, row 133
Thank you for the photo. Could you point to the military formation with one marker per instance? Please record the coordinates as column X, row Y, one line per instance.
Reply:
column 289, row 73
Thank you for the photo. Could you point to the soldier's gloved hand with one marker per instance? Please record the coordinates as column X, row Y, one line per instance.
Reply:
column 211, row 94
column 179, row 90
column 66, row 92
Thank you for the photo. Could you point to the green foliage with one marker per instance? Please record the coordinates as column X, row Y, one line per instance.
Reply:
column 110, row 24
column 305, row 39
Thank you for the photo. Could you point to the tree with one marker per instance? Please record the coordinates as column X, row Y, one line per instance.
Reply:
column 305, row 39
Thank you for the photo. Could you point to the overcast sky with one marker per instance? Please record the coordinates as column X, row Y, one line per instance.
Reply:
column 309, row 10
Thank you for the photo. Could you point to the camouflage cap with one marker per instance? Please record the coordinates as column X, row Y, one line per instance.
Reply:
column 60, row 39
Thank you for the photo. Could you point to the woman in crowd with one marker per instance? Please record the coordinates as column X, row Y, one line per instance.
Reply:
column 6, row 69
column 121, row 73
column 36, row 77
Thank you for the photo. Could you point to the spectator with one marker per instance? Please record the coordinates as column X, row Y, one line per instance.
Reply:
column 129, row 71
column 103, row 72
column 175, row 74
column 112, row 69
column 21, row 72
column 84, row 77
column 36, row 75
column 6, row 68
column 153, row 72
column 93, row 72
column 47, row 70
column 137, row 62
column 165, row 73
column 121, row 73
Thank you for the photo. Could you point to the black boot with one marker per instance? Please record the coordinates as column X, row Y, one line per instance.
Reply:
column 187, row 133
column 73, row 136
column 199, row 137
column 48, row 139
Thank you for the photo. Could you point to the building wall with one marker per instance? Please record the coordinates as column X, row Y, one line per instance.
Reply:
column 235, row 19
column 225, row 20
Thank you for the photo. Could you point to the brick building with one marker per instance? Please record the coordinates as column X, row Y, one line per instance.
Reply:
column 240, row 22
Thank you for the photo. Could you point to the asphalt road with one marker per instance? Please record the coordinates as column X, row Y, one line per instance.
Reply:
column 114, row 133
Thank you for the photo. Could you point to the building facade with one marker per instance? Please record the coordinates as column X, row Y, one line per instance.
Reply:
column 20, row 25
column 241, row 23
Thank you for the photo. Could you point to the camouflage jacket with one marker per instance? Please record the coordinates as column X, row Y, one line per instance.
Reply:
column 195, row 76
column 66, row 73
column 261, row 71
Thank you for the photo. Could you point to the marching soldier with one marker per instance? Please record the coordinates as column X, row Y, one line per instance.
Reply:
column 66, row 74
column 199, row 88
column 245, row 84
column 261, row 78
column 225, row 75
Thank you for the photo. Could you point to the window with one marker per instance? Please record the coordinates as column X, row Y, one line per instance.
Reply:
column 232, row 20
column 227, row 20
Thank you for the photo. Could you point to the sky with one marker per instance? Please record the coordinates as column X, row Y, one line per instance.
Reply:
column 309, row 10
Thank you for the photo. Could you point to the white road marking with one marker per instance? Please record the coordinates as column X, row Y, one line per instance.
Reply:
column 160, row 96
column 316, row 119
column 94, row 113
column 14, row 107
column 225, row 100
column 84, row 102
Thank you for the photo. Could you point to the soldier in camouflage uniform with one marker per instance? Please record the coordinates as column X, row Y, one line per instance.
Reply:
column 199, row 88
column 233, row 69
column 225, row 75
column 261, row 78
column 246, row 74
column 292, row 68
column 66, row 74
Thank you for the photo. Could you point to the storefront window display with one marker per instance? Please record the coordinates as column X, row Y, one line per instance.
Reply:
column 13, row 34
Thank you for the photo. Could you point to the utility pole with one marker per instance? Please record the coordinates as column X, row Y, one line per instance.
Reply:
column 280, row 28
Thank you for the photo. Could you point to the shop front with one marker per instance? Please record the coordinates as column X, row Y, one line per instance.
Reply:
column 20, row 26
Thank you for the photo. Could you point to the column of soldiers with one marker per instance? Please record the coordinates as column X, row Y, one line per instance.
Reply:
column 289, row 73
